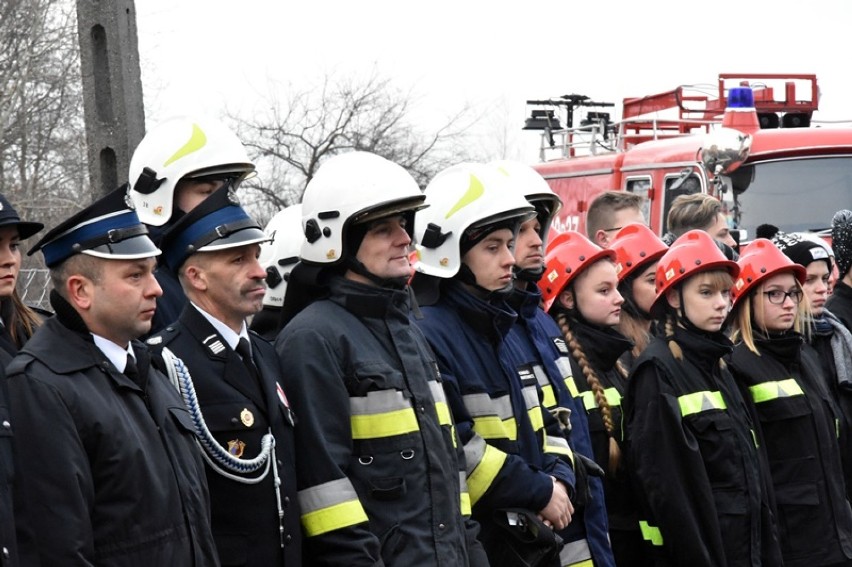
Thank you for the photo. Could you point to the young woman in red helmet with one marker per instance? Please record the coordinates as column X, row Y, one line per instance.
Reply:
column 579, row 290
column 637, row 252
column 782, row 375
column 691, row 441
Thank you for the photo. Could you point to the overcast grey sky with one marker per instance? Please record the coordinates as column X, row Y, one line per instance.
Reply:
column 206, row 55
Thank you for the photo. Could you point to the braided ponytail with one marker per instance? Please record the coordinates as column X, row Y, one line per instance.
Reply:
column 595, row 384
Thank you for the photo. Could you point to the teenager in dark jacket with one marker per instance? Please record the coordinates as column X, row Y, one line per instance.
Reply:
column 579, row 288
column 691, row 441
column 782, row 376
column 465, row 238
column 539, row 345
column 637, row 251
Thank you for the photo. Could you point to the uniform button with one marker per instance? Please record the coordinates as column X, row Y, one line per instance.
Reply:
column 288, row 539
column 442, row 526
column 235, row 421
column 6, row 424
column 286, row 501
column 280, row 464
column 6, row 552
column 422, row 409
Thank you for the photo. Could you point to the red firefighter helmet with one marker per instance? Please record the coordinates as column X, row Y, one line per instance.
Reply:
column 760, row 260
column 695, row 251
column 570, row 254
column 556, row 239
column 635, row 245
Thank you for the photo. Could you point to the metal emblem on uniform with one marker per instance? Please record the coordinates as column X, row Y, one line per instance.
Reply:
column 232, row 197
column 158, row 210
column 154, row 340
column 236, row 448
column 247, row 417
column 331, row 254
column 215, row 346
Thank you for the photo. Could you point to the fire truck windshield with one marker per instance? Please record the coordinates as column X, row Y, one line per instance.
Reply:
column 795, row 195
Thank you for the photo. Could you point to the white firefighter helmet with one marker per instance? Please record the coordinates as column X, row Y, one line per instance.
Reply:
column 352, row 188
column 462, row 197
column 535, row 189
column 183, row 146
column 280, row 253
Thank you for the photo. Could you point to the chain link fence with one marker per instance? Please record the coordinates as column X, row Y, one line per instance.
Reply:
column 34, row 287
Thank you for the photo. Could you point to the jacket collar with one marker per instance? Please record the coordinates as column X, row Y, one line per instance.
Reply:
column 492, row 320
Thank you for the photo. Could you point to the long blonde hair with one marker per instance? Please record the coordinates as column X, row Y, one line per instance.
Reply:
column 744, row 313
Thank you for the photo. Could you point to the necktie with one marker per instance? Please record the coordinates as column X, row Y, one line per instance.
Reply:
column 131, row 371
column 244, row 350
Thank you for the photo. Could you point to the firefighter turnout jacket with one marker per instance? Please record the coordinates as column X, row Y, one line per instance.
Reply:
column 692, row 451
column 498, row 415
column 538, row 342
column 380, row 469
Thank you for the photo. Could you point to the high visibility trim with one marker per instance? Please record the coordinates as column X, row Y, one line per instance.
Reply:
column 558, row 445
column 572, row 387
column 443, row 411
column 613, row 398
column 386, row 424
column 768, row 391
column 464, row 495
column 576, row 554
column 548, row 398
column 651, row 533
column 754, row 438
column 330, row 506
column 479, row 405
column 698, row 402
column 454, row 436
column 493, row 418
column 536, row 418
column 483, row 465
column 382, row 413
column 440, row 399
column 464, row 504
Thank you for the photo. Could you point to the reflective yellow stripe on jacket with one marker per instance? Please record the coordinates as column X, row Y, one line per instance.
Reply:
column 464, row 494
column 768, row 391
column 613, row 398
column 567, row 376
column 548, row 397
column 492, row 417
column 483, row 465
column 442, row 408
column 533, row 406
column 383, row 413
column 330, row 506
column 698, row 402
column 651, row 533
column 576, row 554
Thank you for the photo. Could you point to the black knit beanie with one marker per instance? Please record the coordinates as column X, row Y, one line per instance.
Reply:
column 800, row 250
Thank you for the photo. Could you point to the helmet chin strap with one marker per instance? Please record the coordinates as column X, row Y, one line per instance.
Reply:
column 529, row 275
column 359, row 268
column 466, row 276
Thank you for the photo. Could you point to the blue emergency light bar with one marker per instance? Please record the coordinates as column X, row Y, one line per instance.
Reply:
column 740, row 97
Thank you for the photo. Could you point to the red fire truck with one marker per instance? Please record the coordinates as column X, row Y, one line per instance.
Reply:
column 753, row 144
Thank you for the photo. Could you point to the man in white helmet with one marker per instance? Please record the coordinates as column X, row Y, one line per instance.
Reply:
column 537, row 343
column 278, row 257
column 465, row 240
column 177, row 165
column 381, row 472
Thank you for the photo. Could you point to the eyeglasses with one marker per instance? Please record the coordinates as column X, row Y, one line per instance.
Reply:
column 778, row 297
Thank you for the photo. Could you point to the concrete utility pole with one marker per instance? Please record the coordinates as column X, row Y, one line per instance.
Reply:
column 112, row 88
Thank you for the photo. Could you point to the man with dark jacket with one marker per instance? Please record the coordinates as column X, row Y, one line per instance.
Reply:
column 381, row 471
column 232, row 383
column 107, row 468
